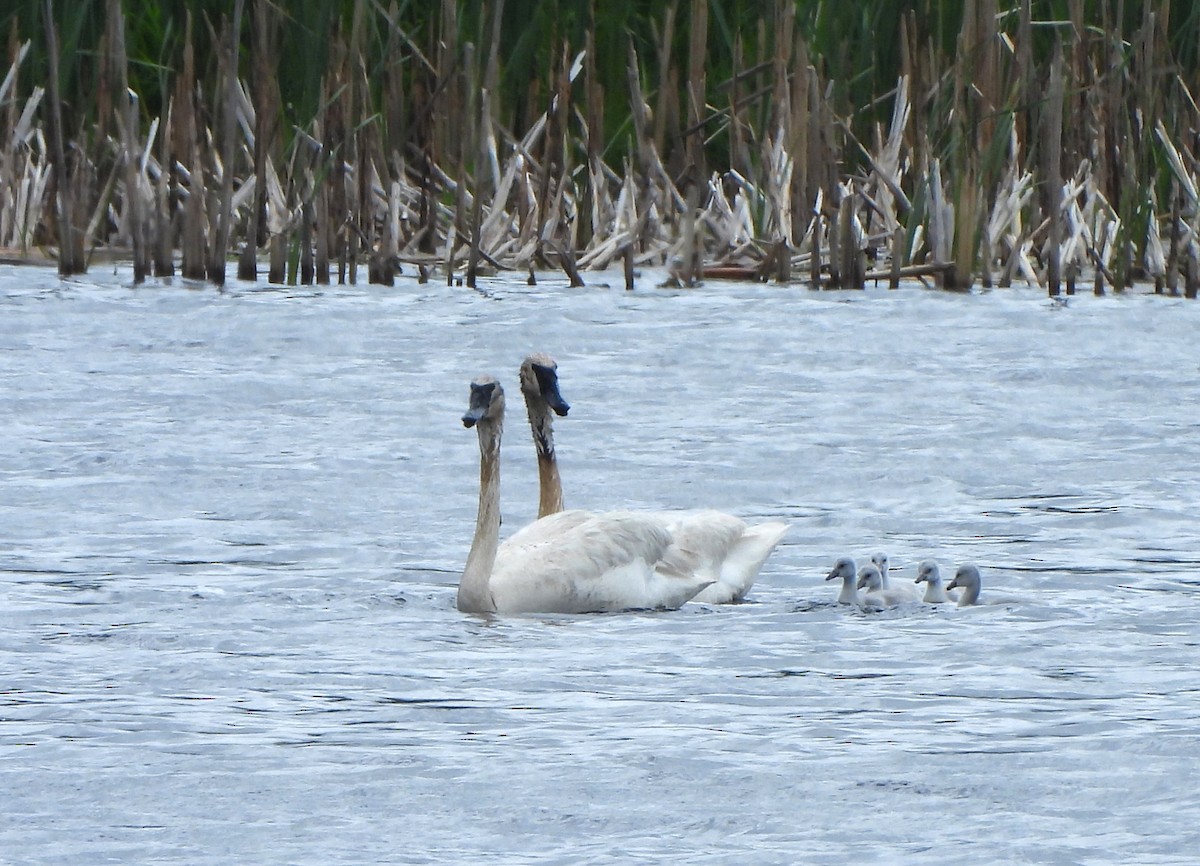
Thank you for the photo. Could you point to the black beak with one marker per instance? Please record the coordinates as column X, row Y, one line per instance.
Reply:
column 548, row 383
column 481, row 401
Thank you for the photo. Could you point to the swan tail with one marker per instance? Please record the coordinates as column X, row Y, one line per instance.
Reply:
column 745, row 559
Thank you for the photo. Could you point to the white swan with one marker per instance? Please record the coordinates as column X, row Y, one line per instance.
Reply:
column 906, row 593
column 844, row 568
column 968, row 579
column 871, row 580
column 716, row 546
column 935, row 593
column 606, row 562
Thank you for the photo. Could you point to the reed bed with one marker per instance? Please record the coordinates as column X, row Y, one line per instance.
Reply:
column 1048, row 143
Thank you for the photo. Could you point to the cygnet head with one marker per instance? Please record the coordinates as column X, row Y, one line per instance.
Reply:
column 880, row 560
column 486, row 403
column 967, row 578
column 539, row 381
column 843, row 568
column 928, row 572
column 869, row 578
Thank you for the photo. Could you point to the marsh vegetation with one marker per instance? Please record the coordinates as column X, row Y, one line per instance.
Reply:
column 976, row 143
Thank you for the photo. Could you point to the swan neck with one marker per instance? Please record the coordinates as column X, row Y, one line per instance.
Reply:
column 541, row 425
column 849, row 593
column 935, row 593
column 550, row 498
column 474, row 595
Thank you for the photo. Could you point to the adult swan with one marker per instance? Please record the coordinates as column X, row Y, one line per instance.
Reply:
column 605, row 562
column 719, row 548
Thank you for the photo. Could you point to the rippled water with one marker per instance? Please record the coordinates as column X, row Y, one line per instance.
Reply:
column 232, row 527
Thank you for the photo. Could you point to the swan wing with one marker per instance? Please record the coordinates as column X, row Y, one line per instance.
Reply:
column 604, row 562
column 546, row 528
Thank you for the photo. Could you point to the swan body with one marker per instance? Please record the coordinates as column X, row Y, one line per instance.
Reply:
column 871, row 580
column 715, row 546
column 575, row 562
column 968, row 579
column 844, row 569
column 935, row 592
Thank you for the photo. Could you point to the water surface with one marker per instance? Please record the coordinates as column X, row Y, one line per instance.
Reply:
column 233, row 523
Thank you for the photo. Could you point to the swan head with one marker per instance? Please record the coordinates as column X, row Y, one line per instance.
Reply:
column 539, row 381
column 487, row 402
column 880, row 561
column 967, row 577
column 843, row 568
column 928, row 572
column 870, row 578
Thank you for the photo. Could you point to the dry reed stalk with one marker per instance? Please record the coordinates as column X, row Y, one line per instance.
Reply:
column 308, row 270
column 643, row 140
column 70, row 256
column 278, row 218
column 24, row 171
column 696, row 92
column 485, row 116
column 897, row 257
column 1051, row 129
column 666, row 111
column 592, row 224
column 834, row 236
column 330, row 202
column 739, row 152
column 319, row 211
column 941, row 219
column 1174, row 241
column 229, row 78
column 797, row 140
column 814, row 257
column 550, row 157
column 850, row 244
column 188, row 171
column 127, row 123
column 163, row 259
column 965, row 245
column 265, row 100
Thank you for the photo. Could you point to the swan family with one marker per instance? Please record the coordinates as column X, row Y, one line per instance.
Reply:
column 579, row 561
column 575, row 561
